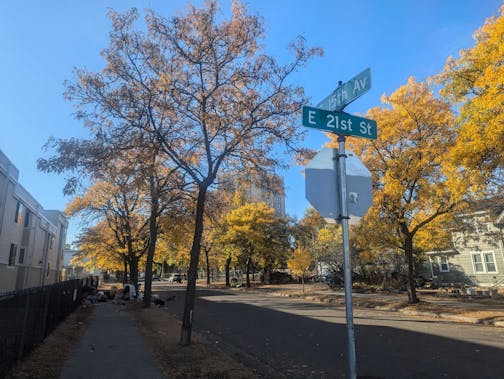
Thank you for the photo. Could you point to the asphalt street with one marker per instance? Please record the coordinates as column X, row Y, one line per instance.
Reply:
column 297, row 339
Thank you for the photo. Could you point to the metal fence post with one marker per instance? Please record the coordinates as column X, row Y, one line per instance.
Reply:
column 46, row 311
column 23, row 327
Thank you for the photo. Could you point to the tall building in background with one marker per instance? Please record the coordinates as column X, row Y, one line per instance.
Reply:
column 268, row 189
column 32, row 239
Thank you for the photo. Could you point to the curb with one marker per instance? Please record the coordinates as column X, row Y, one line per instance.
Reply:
column 450, row 317
column 391, row 308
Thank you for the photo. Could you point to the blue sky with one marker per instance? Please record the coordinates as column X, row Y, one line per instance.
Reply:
column 42, row 41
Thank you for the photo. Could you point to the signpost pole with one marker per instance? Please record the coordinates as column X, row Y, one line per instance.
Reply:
column 329, row 116
column 339, row 161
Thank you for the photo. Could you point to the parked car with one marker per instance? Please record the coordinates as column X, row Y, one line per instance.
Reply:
column 175, row 278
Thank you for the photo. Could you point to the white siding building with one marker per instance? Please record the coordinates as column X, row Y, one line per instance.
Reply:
column 31, row 239
column 478, row 255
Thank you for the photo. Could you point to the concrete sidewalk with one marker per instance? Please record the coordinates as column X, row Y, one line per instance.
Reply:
column 111, row 347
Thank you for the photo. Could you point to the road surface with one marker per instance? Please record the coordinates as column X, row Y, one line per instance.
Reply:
column 294, row 338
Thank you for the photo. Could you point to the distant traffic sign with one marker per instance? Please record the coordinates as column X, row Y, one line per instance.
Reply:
column 347, row 92
column 339, row 123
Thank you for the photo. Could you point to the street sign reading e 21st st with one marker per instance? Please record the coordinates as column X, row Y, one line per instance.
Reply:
column 339, row 123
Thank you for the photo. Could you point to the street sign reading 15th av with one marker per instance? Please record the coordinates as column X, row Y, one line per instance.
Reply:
column 339, row 123
column 347, row 92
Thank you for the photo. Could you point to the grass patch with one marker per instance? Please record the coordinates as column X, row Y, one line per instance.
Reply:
column 199, row 360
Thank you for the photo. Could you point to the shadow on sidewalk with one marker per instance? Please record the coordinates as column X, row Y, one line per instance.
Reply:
column 111, row 347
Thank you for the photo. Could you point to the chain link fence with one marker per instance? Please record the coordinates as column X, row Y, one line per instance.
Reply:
column 30, row 315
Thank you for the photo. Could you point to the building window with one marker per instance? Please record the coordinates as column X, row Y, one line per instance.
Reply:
column 18, row 218
column 51, row 241
column 482, row 226
column 444, row 266
column 477, row 263
column 490, row 262
column 484, row 262
column 12, row 254
column 27, row 218
column 21, row 255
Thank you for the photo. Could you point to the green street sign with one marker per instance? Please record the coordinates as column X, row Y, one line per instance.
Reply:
column 347, row 92
column 339, row 123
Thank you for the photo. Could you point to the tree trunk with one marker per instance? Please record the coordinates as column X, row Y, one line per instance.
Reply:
column 125, row 273
column 207, row 261
column 410, row 284
column 384, row 282
column 249, row 262
column 185, row 335
column 266, row 275
column 302, row 282
column 153, row 230
column 134, row 272
column 228, row 264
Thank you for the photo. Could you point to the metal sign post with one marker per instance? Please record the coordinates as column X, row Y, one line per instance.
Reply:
column 329, row 117
column 340, row 168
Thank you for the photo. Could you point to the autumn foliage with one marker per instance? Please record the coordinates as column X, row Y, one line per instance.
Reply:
column 474, row 82
column 187, row 102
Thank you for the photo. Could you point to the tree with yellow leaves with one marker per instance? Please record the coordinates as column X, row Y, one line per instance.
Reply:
column 129, row 197
column 305, row 231
column 98, row 249
column 475, row 82
column 254, row 232
column 200, row 88
column 415, row 131
column 175, row 236
column 116, row 208
column 327, row 250
column 323, row 241
column 220, row 203
column 299, row 263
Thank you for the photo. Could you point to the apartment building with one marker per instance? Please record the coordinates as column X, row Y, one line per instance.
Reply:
column 270, row 190
column 258, row 187
column 32, row 239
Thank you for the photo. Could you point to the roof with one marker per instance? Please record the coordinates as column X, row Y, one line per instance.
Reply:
column 493, row 206
column 500, row 219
